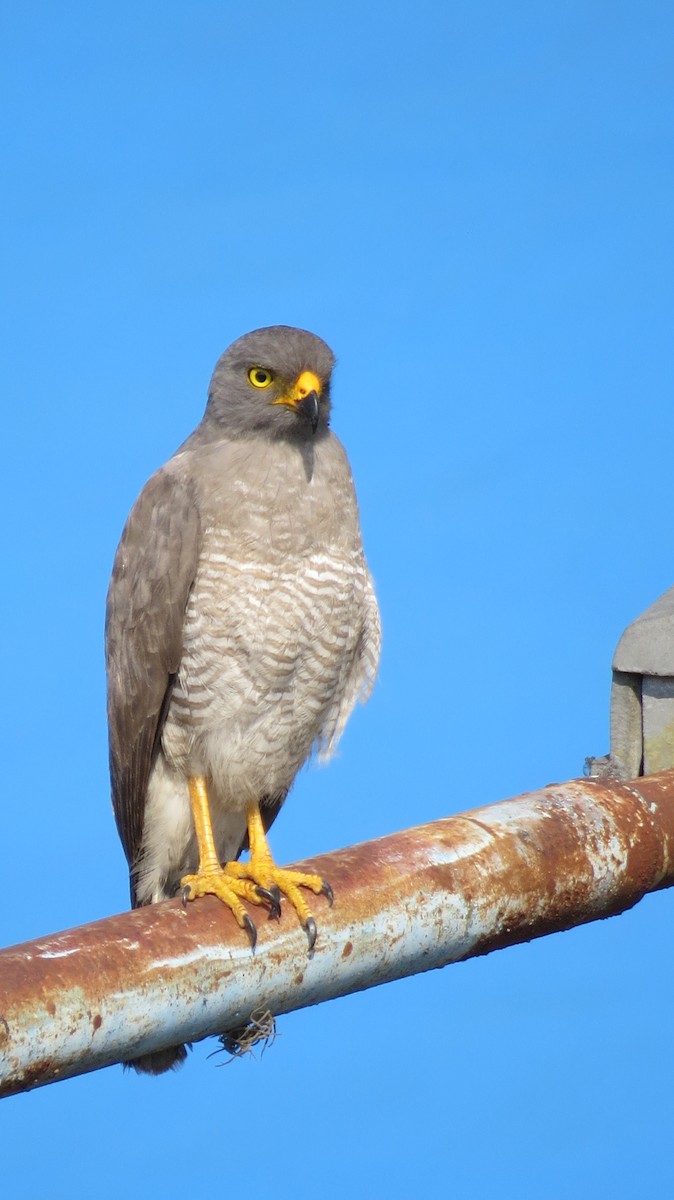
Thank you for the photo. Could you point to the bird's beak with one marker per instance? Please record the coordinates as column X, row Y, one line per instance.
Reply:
column 303, row 397
column 308, row 406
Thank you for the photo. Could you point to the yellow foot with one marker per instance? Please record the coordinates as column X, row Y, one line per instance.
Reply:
column 259, row 881
column 217, row 882
column 269, row 881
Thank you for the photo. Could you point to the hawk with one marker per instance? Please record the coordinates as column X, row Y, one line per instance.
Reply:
column 241, row 628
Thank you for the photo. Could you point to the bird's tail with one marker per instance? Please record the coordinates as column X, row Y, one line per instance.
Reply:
column 160, row 1061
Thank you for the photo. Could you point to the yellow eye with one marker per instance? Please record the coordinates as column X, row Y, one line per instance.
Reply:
column 260, row 377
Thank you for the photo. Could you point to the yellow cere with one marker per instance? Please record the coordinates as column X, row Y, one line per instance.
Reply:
column 307, row 382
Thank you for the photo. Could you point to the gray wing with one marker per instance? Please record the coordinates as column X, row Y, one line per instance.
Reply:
column 152, row 575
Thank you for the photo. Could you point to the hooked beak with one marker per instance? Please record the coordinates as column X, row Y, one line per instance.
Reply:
column 303, row 397
column 308, row 406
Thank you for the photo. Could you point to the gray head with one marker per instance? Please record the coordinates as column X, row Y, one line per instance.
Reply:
column 275, row 381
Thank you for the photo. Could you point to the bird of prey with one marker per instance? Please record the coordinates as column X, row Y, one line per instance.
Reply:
column 242, row 627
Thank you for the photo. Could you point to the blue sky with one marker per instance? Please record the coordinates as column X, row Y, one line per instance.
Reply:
column 472, row 203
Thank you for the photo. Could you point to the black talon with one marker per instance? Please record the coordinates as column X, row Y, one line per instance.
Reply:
column 328, row 892
column 272, row 897
column 249, row 926
column 311, row 932
column 186, row 895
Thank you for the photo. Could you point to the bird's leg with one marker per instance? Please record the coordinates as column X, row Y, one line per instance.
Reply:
column 263, row 870
column 211, row 878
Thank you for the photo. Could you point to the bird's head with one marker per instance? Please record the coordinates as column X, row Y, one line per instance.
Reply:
column 275, row 381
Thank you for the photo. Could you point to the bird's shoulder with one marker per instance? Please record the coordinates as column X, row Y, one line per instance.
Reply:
column 166, row 508
column 154, row 565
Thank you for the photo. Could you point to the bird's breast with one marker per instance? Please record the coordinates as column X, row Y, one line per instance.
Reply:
column 267, row 646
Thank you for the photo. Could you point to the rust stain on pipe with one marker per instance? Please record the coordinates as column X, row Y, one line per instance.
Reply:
column 416, row 900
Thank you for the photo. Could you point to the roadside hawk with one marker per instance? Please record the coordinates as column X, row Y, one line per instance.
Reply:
column 242, row 627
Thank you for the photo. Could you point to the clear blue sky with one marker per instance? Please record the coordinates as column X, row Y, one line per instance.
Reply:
column 473, row 203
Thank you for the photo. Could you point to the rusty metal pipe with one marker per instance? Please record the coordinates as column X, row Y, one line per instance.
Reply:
column 459, row 887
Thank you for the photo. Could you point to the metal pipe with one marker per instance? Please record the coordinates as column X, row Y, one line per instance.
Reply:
column 443, row 892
